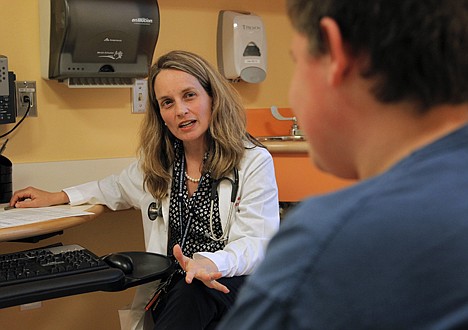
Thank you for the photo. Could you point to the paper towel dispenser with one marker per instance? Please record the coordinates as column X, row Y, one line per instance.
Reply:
column 97, row 43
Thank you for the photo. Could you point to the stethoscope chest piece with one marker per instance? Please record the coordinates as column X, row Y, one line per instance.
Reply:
column 154, row 211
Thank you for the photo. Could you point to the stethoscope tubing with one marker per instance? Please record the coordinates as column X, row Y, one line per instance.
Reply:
column 155, row 208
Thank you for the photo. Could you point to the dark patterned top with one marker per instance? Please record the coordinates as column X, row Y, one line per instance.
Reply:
column 189, row 218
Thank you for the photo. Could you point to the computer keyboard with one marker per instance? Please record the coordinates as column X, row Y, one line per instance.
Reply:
column 65, row 270
column 47, row 263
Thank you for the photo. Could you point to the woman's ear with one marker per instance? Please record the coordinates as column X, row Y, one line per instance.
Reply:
column 339, row 57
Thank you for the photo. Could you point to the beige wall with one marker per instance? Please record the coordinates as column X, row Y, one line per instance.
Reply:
column 97, row 123
column 93, row 124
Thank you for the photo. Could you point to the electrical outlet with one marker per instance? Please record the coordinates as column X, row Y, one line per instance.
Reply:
column 139, row 96
column 24, row 90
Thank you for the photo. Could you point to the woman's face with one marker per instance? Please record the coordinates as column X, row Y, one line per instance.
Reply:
column 184, row 105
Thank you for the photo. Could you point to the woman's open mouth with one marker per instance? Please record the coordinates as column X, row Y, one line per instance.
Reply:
column 186, row 123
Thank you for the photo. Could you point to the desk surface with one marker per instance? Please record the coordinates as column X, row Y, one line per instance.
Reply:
column 50, row 226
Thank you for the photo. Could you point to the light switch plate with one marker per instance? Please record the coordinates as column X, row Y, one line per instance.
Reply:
column 26, row 88
column 139, row 96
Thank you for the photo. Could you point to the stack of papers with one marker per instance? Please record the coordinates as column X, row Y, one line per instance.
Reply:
column 18, row 217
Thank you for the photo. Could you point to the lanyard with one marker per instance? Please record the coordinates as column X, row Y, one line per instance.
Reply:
column 180, row 202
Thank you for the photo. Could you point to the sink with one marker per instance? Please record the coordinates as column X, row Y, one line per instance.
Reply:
column 280, row 138
column 284, row 144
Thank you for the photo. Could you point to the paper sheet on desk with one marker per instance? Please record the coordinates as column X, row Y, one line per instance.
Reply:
column 18, row 217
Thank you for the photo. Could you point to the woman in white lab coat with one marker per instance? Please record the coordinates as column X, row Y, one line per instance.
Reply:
column 205, row 187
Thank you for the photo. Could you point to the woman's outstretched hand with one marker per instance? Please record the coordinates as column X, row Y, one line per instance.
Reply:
column 202, row 269
column 33, row 197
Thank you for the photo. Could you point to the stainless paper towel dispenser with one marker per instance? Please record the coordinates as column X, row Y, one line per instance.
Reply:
column 97, row 43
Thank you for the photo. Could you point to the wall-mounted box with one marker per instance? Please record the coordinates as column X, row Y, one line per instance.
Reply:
column 241, row 46
column 97, row 43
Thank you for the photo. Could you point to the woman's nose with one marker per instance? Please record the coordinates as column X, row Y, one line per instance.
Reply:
column 181, row 109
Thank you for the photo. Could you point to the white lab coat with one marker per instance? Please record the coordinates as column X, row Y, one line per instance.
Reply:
column 255, row 221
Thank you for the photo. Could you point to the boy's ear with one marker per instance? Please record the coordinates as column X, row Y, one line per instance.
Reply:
column 339, row 57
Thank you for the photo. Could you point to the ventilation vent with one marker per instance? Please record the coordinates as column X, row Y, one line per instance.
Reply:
column 104, row 82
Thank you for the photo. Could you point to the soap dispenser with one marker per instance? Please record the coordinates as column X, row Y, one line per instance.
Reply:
column 241, row 46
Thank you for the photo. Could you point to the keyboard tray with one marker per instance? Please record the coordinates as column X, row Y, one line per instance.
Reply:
column 110, row 279
column 47, row 263
column 147, row 267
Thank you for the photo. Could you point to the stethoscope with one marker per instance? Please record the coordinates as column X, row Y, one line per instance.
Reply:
column 234, row 189
column 155, row 208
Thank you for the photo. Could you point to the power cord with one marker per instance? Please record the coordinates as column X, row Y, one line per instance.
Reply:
column 26, row 99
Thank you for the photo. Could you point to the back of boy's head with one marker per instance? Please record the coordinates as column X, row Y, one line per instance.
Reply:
column 417, row 50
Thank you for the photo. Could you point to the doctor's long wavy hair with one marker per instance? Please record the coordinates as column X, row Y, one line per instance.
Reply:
column 226, row 136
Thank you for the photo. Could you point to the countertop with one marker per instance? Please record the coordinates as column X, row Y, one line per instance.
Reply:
column 50, row 226
column 286, row 147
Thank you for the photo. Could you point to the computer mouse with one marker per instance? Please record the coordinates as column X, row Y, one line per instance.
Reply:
column 120, row 261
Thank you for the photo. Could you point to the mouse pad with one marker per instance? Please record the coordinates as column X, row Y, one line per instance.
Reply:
column 147, row 267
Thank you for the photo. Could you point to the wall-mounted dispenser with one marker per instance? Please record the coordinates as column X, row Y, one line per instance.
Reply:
column 97, row 43
column 241, row 46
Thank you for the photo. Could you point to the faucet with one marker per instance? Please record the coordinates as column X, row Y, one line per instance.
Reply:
column 295, row 131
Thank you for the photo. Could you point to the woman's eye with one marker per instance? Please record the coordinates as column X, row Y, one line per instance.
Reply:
column 190, row 95
column 166, row 103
